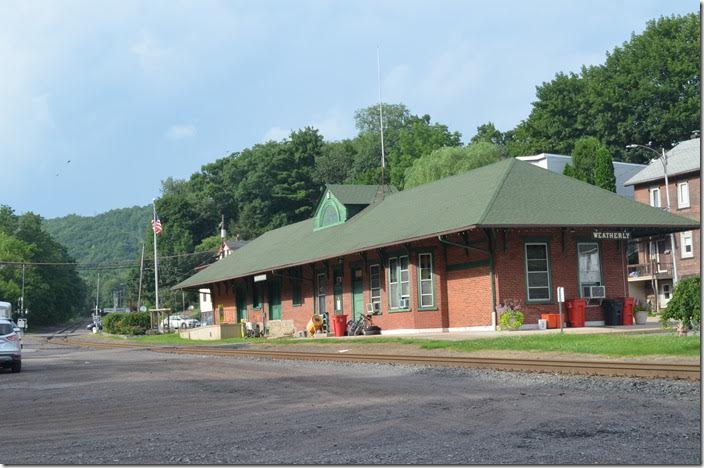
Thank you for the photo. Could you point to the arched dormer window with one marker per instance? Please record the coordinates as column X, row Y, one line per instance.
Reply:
column 330, row 216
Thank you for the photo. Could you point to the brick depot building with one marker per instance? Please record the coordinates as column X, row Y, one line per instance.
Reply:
column 441, row 256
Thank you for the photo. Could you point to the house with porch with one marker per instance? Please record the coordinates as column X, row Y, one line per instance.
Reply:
column 441, row 256
column 654, row 260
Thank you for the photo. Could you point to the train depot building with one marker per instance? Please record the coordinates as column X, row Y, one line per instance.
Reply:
column 443, row 256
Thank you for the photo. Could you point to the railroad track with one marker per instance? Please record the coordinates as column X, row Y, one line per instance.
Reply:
column 68, row 330
column 604, row 368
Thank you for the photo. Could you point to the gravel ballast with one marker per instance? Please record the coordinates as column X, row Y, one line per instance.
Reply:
column 81, row 406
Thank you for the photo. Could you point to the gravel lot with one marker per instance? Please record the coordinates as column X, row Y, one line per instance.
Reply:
column 80, row 406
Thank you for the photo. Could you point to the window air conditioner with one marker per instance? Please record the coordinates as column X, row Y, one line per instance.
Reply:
column 373, row 308
column 597, row 292
column 405, row 303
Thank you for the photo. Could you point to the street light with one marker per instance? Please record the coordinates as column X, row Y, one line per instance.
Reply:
column 663, row 160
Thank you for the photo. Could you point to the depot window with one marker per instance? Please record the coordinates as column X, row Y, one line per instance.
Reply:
column 537, row 272
column 589, row 261
column 399, row 289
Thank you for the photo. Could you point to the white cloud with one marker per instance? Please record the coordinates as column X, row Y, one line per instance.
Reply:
column 335, row 125
column 180, row 132
column 276, row 134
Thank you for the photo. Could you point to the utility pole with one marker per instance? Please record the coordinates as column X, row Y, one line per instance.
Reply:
column 22, row 296
column 141, row 272
column 97, row 297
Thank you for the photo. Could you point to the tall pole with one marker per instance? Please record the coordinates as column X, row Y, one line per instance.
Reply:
column 673, row 253
column 141, row 272
column 381, row 117
column 156, row 260
column 97, row 296
column 22, row 297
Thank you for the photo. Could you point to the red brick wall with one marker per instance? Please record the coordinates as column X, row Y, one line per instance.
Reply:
column 462, row 296
column 510, row 269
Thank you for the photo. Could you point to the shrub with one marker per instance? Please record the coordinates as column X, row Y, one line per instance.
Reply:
column 511, row 320
column 130, row 323
column 685, row 304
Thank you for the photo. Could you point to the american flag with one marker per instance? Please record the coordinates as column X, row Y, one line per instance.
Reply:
column 156, row 224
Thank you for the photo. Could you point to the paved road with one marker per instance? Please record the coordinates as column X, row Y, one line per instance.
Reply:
column 80, row 406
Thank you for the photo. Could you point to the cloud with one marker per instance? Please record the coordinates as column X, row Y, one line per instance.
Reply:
column 180, row 132
column 335, row 125
column 276, row 134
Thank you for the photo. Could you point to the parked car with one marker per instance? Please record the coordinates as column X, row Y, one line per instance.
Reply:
column 10, row 346
column 177, row 321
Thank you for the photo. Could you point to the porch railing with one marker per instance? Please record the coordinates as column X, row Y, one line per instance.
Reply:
column 648, row 269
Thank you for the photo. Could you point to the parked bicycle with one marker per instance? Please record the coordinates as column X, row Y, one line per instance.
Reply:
column 364, row 325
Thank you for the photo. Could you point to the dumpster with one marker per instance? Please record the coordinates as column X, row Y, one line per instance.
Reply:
column 628, row 303
column 576, row 309
column 613, row 311
column 340, row 324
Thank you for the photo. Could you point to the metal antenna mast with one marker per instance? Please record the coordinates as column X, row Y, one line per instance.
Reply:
column 381, row 119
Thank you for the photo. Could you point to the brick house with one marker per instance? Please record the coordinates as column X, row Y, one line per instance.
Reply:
column 438, row 257
column 650, row 265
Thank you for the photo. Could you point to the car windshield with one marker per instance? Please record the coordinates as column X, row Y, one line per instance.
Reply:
column 6, row 329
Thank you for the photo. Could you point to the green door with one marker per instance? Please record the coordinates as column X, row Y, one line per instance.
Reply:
column 357, row 293
column 274, row 299
column 241, row 303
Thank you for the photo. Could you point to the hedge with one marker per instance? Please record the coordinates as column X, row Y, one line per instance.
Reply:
column 129, row 323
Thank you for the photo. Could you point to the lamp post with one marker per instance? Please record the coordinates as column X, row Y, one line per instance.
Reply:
column 663, row 160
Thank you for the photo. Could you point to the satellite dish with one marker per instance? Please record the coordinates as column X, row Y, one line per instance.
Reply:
column 143, row 309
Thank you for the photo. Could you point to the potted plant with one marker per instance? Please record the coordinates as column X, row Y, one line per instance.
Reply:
column 640, row 313
column 511, row 317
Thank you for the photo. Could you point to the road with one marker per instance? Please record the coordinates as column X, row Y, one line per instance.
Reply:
column 74, row 405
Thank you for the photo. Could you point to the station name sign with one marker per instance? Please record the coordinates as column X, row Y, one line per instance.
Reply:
column 615, row 235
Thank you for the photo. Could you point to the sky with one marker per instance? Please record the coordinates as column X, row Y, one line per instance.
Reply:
column 100, row 101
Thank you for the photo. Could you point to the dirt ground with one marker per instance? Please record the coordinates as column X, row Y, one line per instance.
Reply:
column 75, row 405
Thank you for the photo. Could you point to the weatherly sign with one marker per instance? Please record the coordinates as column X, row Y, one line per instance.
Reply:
column 611, row 234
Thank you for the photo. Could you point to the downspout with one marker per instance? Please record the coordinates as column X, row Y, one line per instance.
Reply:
column 488, row 251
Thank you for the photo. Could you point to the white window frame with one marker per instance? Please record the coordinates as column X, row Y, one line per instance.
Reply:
column 683, row 195
column 686, row 239
column 396, row 287
column 582, row 284
column 321, row 289
column 421, row 281
column 653, row 191
column 375, row 292
column 547, row 265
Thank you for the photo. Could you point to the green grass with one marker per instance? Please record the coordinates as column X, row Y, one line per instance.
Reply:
column 609, row 344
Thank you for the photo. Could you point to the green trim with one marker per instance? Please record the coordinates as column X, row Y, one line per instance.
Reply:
column 380, row 267
column 546, row 242
column 468, row 265
column 433, row 280
column 394, row 311
column 328, row 200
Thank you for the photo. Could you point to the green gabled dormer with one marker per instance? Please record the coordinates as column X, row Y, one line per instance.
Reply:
column 342, row 202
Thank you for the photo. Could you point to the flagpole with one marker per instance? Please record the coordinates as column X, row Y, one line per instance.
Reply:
column 156, row 259
column 141, row 273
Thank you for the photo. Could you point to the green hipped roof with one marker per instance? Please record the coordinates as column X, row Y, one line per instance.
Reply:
column 509, row 193
column 355, row 194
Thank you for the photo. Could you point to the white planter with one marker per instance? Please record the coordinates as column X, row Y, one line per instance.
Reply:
column 640, row 317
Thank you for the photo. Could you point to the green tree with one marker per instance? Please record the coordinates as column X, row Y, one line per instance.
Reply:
column 584, row 159
column 489, row 133
column 685, row 304
column 604, row 176
column 647, row 90
column 449, row 161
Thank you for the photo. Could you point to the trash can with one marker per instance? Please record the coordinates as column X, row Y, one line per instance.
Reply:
column 613, row 311
column 340, row 324
column 628, row 303
column 576, row 310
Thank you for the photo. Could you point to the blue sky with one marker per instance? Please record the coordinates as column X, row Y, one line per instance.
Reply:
column 133, row 92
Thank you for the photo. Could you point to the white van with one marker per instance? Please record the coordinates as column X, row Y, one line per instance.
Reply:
column 10, row 345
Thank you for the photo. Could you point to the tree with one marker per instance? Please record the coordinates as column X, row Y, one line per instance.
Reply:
column 685, row 304
column 588, row 157
column 604, row 176
column 449, row 161
column 647, row 90
column 489, row 133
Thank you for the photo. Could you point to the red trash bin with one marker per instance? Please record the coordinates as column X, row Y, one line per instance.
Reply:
column 628, row 303
column 340, row 324
column 576, row 309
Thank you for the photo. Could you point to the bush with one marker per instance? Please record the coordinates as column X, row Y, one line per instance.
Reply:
column 511, row 320
column 685, row 304
column 130, row 323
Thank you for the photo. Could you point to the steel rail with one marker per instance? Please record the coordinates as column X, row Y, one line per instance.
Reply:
column 584, row 367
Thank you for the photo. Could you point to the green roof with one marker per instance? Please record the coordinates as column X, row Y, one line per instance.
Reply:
column 509, row 193
column 355, row 194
